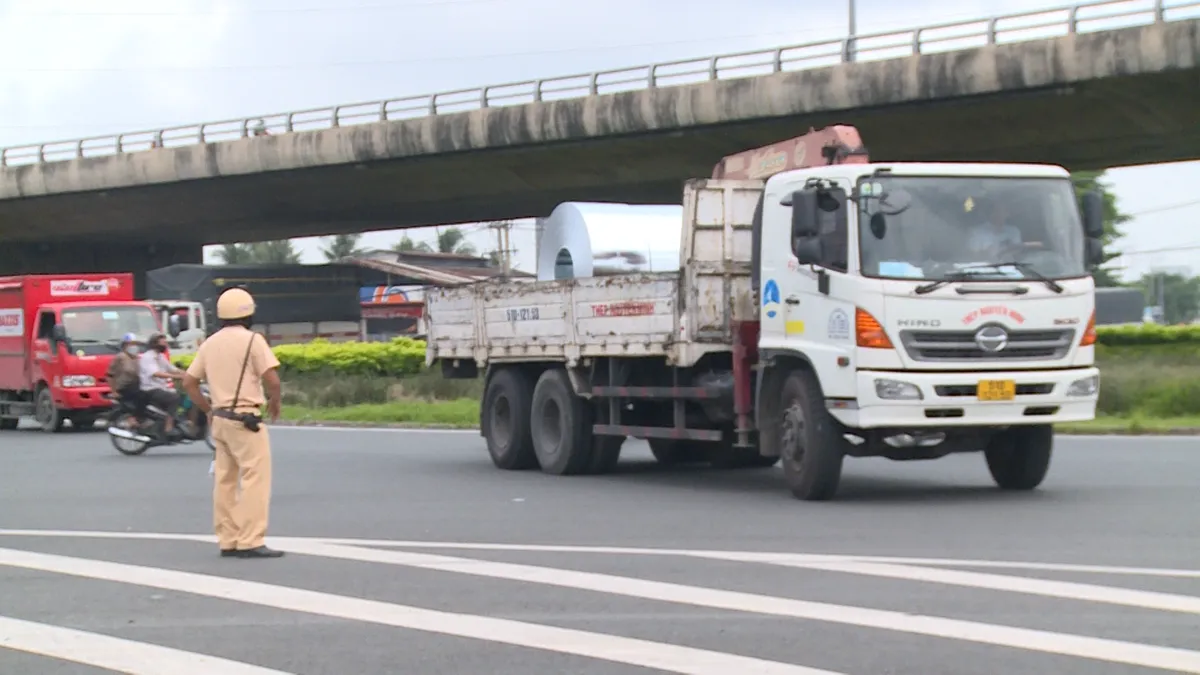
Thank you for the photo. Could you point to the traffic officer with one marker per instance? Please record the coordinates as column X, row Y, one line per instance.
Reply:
column 236, row 362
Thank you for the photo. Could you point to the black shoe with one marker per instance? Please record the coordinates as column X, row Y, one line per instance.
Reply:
column 229, row 553
column 260, row 552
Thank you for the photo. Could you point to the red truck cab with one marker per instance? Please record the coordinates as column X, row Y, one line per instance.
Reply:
column 58, row 335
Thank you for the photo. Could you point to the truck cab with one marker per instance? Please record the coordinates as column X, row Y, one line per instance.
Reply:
column 955, row 294
column 185, row 323
column 59, row 336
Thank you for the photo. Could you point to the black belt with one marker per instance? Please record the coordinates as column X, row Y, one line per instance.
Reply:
column 234, row 415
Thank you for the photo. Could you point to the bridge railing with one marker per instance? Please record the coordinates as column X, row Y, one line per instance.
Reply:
column 1034, row 25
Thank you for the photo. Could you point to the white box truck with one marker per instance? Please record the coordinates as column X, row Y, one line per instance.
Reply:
column 825, row 307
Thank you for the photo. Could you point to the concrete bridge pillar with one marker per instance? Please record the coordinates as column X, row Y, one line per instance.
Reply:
column 61, row 257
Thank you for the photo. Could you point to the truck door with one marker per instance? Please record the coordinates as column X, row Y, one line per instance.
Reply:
column 45, row 347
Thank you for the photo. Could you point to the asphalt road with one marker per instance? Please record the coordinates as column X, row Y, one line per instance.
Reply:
column 106, row 564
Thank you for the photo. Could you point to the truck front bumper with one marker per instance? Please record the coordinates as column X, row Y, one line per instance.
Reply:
column 887, row 399
column 84, row 398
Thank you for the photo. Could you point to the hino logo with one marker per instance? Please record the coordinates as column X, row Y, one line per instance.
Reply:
column 991, row 338
column 918, row 323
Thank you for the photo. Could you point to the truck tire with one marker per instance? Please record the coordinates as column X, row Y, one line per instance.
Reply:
column 670, row 452
column 809, row 442
column 562, row 435
column 1019, row 457
column 47, row 414
column 9, row 423
column 505, row 420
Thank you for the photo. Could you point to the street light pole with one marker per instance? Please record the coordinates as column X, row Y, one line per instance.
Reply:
column 850, row 47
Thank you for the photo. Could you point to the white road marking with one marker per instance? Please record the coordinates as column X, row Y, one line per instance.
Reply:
column 1114, row 651
column 671, row 658
column 113, row 653
column 729, row 556
column 1166, row 602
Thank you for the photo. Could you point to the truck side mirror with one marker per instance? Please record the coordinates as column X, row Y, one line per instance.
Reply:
column 1094, row 251
column 173, row 326
column 809, row 251
column 1093, row 214
column 58, row 333
column 805, row 207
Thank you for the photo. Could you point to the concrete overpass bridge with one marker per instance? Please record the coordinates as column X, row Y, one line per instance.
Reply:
column 1093, row 86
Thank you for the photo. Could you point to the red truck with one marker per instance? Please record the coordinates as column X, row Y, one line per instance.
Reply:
column 58, row 335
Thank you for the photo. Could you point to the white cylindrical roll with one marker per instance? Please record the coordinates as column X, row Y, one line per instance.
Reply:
column 582, row 239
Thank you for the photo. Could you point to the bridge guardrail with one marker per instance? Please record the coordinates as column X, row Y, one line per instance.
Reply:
column 1025, row 26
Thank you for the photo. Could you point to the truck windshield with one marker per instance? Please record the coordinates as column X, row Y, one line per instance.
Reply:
column 939, row 227
column 99, row 329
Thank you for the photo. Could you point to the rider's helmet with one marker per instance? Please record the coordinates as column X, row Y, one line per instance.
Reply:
column 235, row 303
column 128, row 339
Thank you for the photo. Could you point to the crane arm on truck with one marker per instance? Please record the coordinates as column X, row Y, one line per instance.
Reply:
column 839, row 144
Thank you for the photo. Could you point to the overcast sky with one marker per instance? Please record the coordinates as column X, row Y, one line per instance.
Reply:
column 77, row 68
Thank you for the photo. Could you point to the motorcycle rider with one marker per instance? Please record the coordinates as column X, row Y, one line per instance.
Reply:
column 155, row 374
column 123, row 371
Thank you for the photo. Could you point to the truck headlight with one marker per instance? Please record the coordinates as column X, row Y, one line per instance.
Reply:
column 78, row 381
column 1087, row 386
column 895, row 390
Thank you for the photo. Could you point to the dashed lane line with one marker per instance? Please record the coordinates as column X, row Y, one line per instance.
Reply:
column 645, row 653
column 1114, row 651
column 113, row 653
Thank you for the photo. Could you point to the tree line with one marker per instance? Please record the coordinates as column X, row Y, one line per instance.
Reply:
column 283, row 251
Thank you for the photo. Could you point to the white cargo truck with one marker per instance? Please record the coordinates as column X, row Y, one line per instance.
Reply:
column 837, row 308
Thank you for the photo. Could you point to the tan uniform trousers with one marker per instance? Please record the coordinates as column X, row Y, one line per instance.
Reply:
column 240, row 521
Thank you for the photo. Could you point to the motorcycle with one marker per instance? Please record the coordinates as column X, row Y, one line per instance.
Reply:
column 133, row 431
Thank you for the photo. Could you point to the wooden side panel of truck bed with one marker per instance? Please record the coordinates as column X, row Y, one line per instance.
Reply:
column 679, row 315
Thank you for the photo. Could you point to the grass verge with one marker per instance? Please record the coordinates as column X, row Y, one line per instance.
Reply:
column 457, row 414
column 1107, row 424
column 464, row 414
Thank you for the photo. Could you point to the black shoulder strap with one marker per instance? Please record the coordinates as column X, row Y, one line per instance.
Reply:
column 245, row 362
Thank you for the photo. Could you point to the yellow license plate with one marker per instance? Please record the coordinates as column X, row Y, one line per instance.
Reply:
column 996, row 390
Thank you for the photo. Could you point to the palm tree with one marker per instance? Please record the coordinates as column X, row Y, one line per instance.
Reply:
column 406, row 244
column 278, row 252
column 342, row 246
column 235, row 254
column 453, row 240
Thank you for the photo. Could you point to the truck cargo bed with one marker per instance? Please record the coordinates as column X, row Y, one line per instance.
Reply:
column 677, row 315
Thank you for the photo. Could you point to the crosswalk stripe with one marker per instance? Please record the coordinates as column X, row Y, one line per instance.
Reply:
column 730, row 556
column 1115, row 651
column 645, row 653
column 1167, row 602
column 113, row 653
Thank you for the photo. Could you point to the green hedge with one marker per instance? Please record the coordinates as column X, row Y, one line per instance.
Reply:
column 401, row 356
column 1147, row 334
column 404, row 356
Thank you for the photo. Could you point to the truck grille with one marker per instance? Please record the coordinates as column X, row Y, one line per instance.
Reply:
column 956, row 345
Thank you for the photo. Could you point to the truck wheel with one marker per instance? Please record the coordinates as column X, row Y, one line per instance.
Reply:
column 9, row 423
column 1019, row 458
column 47, row 415
column 562, row 438
column 670, row 452
column 505, row 420
column 808, row 442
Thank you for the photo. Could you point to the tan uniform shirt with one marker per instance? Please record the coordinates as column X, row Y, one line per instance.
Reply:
column 219, row 363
